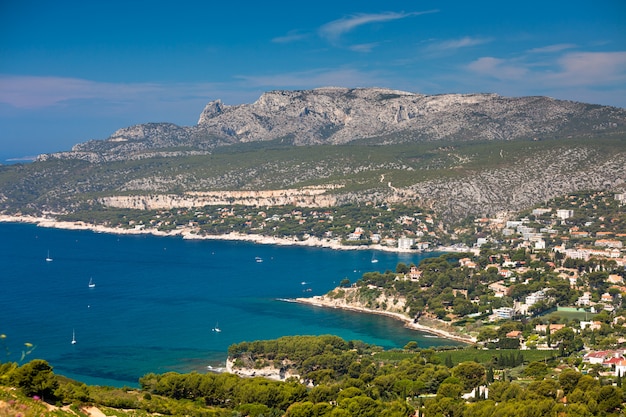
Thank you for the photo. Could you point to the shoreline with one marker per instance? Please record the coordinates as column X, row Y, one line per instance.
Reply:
column 188, row 233
column 320, row 301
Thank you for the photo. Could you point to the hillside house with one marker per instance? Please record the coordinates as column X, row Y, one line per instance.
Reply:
column 584, row 300
column 414, row 274
column 514, row 334
column 499, row 289
column 543, row 328
column 467, row 263
column 620, row 368
column 598, row 357
column 591, row 325
column 535, row 297
column 606, row 298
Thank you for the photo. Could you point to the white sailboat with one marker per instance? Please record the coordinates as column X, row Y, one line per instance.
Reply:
column 91, row 283
column 48, row 258
column 217, row 329
column 374, row 260
column 73, row 337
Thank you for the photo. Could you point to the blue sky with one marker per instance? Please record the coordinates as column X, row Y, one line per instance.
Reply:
column 72, row 71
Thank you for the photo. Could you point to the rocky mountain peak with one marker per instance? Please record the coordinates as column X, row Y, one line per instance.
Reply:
column 211, row 110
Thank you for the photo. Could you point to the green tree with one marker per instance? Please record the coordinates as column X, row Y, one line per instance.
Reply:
column 36, row 378
column 412, row 345
column 402, row 268
column 536, row 370
column 569, row 379
column 450, row 390
column 471, row 374
column 609, row 399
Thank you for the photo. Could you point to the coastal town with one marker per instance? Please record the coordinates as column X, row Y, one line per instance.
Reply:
column 551, row 279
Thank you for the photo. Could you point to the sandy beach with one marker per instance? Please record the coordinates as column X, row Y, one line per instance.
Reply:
column 321, row 301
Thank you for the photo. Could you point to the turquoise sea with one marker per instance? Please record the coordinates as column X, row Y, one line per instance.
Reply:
column 157, row 299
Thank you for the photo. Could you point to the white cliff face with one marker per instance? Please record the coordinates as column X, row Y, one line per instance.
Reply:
column 305, row 197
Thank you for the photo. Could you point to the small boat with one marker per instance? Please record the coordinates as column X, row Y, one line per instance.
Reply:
column 258, row 259
column 48, row 258
column 374, row 260
column 91, row 283
column 217, row 329
column 73, row 337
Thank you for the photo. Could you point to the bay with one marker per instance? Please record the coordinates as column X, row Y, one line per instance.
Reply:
column 156, row 300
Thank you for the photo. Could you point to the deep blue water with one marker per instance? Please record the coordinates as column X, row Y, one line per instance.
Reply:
column 157, row 299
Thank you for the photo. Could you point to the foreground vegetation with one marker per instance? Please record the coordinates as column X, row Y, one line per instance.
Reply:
column 340, row 379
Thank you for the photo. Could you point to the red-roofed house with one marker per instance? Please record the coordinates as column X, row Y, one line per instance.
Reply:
column 620, row 368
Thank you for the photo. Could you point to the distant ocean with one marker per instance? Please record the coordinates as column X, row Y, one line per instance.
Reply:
column 157, row 299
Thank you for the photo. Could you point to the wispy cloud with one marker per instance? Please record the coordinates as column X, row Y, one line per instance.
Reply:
column 364, row 47
column 552, row 48
column 291, row 36
column 342, row 77
column 454, row 44
column 35, row 92
column 32, row 92
column 332, row 31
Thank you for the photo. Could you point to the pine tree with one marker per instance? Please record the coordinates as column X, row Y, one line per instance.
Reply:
column 489, row 375
column 448, row 361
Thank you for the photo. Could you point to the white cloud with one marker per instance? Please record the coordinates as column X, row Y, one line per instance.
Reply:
column 593, row 77
column 591, row 68
column 332, row 31
column 498, row 68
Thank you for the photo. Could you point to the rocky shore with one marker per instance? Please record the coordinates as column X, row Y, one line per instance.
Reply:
column 268, row 372
column 190, row 233
column 326, row 302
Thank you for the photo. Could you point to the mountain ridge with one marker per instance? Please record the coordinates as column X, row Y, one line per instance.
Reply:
column 335, row 115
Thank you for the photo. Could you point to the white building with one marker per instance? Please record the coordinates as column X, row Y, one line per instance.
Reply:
column 564, row 214
column 503, row 313
column 535, row 297
column 405, row 243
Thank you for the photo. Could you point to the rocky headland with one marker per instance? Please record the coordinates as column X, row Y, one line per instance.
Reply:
column 344, row 298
